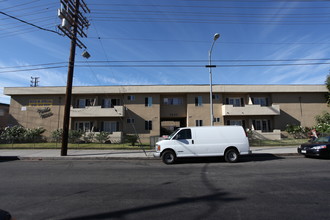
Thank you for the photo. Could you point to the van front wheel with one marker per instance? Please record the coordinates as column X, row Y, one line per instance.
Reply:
column 169, row 157
column 231, row 155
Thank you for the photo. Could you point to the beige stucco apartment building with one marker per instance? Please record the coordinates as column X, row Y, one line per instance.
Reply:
column 154, row 109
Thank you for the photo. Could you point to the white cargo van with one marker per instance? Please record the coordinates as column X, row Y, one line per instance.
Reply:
column 227, row 141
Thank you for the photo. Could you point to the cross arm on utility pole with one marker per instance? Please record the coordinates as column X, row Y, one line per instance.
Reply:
column 210, row 66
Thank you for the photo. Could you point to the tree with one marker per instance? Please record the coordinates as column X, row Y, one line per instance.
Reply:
column 102, row 137
column 132, row 139
column 13, row 134
column 34, row 135
column 88, row 137
column 323, row 123
column 75, row 135
column 57, row 135
column 297, row 131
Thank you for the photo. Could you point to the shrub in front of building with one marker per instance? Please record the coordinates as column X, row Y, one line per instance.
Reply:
column 19, row 134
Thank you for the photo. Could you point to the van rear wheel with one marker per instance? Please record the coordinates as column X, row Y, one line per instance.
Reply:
column 169, row 157
column 231, row 155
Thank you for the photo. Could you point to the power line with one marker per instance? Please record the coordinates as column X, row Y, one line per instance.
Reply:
column 209, row 21
column 217, row 14
column 56, row 64
column 41, row 28
column 203, row 41
column 32, row 69
column 26, row 3
column 206, row 6
column 168, row 66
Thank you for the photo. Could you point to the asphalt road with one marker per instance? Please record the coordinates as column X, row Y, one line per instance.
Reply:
column 256, row 188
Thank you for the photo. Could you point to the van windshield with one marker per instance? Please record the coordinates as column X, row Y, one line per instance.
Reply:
column 172, row 135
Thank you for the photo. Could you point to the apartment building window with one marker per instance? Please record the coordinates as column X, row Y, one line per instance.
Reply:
column 199, row 123
column 85, row 126
column 82, row 103
column 260, row 101
column 130, row 121
column 172, row 101
column 216, row 97
column 236, row 122
column 236, row 102
column 110, row 126
column 131, row 97
column 110, row 103
column 198, row 101
column 216, row 120
column 148, row 101
column 261, row 125
column 148, row 125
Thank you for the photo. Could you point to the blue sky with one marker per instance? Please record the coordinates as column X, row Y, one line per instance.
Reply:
column 147, row 42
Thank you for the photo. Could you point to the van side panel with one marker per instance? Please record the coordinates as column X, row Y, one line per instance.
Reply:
column 211, row 141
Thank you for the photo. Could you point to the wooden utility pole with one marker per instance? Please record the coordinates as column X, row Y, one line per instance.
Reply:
column 73, row 23
column 34, row 81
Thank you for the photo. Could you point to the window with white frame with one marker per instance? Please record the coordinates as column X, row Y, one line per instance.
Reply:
column 131, row 97
column 172, row 101
column 148, row 101
column 110, row 103
column 148, row 125
column 259, row 101
column 236, row 122
column 130, row 120
column 235, row 102
column 199, row 123
column 85, row 126
column 198, row 101
column 216, row 120
column 82, row 103
column 261, row 125
column 216, row 96
column 110, row 126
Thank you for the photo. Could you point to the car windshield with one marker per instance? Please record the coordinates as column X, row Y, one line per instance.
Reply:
column 171, row 136
column 322, row 139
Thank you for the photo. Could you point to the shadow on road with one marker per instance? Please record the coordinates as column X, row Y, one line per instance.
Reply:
column 8, row 158
column 213, row 197
column 243, row 159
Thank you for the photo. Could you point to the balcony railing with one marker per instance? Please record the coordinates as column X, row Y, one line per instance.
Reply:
column 250, row 110
column 97, row 111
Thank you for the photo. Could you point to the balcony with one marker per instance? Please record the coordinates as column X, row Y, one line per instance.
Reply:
column 97, row 111
column 250, row 110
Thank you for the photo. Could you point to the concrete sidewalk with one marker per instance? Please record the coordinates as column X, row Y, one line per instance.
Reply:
column 73, row 154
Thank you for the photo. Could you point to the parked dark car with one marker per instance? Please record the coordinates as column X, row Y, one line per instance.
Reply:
column 320, row 147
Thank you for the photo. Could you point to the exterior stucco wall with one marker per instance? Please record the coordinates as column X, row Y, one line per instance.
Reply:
column 299, row 108
column 29, row 117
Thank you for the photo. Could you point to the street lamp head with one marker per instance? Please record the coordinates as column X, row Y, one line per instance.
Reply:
column 216, row 36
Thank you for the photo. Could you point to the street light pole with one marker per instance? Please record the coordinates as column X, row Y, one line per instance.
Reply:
column 210, row 66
